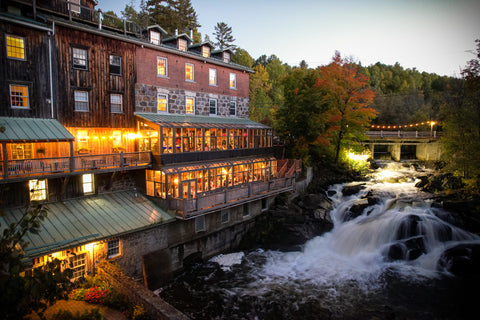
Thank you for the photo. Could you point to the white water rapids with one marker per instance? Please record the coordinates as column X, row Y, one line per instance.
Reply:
column 381, row 262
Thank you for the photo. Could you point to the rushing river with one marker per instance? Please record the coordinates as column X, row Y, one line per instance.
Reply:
column 381, row 264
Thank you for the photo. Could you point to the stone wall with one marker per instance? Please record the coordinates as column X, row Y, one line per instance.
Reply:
column 146, row 101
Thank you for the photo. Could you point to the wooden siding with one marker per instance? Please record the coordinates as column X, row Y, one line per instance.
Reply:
column 96, row 80
column 33, row 72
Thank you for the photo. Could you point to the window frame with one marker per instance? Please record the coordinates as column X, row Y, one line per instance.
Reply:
column 73, row 5
column 90, row 183
column 115, row 66
column 78, row 265
column 165, row 67
column 24, row 49
column 227, row 57
column 206, row 51
column 234, row 104
column 186, row 105
column 234, row 81
column 225, row 216
column 182, row 45
column 19, row 97
column 43, row 190
column 210, row 77
column 210, row 107
column 112, row 103
column 78, row 66
column 113, row 248
column 187, row 65
column 246, row 210
column 154, row 40
column 87, row 101
column 158, row 102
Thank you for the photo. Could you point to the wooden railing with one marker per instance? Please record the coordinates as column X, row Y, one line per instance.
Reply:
column 215, row 200
column 48, row 166
column 403, row 134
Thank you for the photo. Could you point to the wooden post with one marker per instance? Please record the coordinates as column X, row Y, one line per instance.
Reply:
column 121, row 159
column 72, row 159
column 5, row 160
column 34, row 3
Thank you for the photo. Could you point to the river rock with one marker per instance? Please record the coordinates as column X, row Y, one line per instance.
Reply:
column 352, row 189
column 409, row 249
column 462, row 260
column 409, row 227
column 356, row 210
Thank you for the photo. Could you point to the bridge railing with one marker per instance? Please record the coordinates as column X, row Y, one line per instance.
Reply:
column 403, row 134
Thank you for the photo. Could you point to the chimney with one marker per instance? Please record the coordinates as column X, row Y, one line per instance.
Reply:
column 176, row 32
column 191, row 34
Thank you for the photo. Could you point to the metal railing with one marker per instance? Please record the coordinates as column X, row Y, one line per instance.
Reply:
column 403, row 134
column 48, row 166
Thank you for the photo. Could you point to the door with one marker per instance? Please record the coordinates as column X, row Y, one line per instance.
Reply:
column 189, row 189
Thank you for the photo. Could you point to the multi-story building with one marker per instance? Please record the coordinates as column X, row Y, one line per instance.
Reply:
column 138, row 142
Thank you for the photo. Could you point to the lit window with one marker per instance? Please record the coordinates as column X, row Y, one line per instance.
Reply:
column 162, row 66
column 19, row 96
column 189, row 71
column 190, row 105
column 116, row 103
column 81, row 100
column 225, row 216
column 200, row 224
column 212, row 77
column 113, row 248
column 162, row 102
column 233, row 80
column 74, row 6
column 233, row 108
column 182, row 44
column 116, row 65
column 38, row 189
column 155, row 37
column 226, row 57
column 87, row 182
column 77, row 264
column 80, row 58
column 21, row 151
column 206, row 51
column 15, row 47
column 213, row 106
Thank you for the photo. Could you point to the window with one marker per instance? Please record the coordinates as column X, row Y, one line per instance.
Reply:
column 264, row 204
column 162, row 67
column 19, row 96
column 74, row 6
column 225, row 216
column 200, row 224
column 15, row 47
column 246, row 210
column 212, row 77
column 38, row 189
column 113, row 248
column 81, row 100
column 77, row 264
column 190, row 105
column 213, row 106
column 21, row 151
column 226, row 57
column 116, row 103
column 87, row 183
column 182, row 44
column 162, row 102
column 233, row 108
column 80, row 58
column 189, row 72
column 116, row 65
column 206, row 51
column 233, row 80
column 155, row 37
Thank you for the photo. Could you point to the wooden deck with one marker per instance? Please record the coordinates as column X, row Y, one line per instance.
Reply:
column 28, row 168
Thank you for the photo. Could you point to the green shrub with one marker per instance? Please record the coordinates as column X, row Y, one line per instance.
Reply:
column 116, row 300
column 93, row 314
column 79, row 293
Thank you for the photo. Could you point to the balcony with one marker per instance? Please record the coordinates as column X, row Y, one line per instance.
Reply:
column 221, row 199
column 60, row 166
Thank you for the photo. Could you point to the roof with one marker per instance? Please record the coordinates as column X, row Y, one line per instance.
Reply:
column 173, row 169
column 157, row 27
column 205, row 43
column 200, row 121
column 76, row 222
column 33, row 129
column 223, row 50
column 183, row 35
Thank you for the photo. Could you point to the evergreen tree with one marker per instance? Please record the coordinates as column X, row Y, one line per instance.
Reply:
column 223, row 35
column 243, row 58
column 174, row 15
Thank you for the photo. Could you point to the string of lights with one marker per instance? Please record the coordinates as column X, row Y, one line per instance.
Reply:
column 406, row 126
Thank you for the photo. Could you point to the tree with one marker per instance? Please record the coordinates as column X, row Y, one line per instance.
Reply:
column 303, row 64
column 141, row 18
column 260, row 102
column 21, row 294
column 174, row 15
column 462, row 124
column 347, row 96
column 243, row 58
column 223, row 36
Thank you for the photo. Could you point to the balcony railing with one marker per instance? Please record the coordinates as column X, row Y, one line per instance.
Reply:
column 49, row 166
column 218, row 199
column 403, row 134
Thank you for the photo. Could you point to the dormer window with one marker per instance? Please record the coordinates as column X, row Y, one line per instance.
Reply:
column 206, row 51
column 226, row 57
column 182, row 45
column 155, row 37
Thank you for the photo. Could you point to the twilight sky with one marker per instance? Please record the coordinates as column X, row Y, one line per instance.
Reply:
column 429, row 35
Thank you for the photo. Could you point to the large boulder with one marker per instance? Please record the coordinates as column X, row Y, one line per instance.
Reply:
column 408, row 249
column 462, row 260
column 349, row 190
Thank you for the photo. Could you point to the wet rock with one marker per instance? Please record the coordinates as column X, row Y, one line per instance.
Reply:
column 409, row 227
column 352, row 189
column 331, row 193
column 462, row 260
column 356, row 210
column 409, row 249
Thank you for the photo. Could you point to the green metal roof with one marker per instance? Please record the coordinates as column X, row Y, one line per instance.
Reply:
column 200, row 121
column 78, row 221
column 33, row 129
